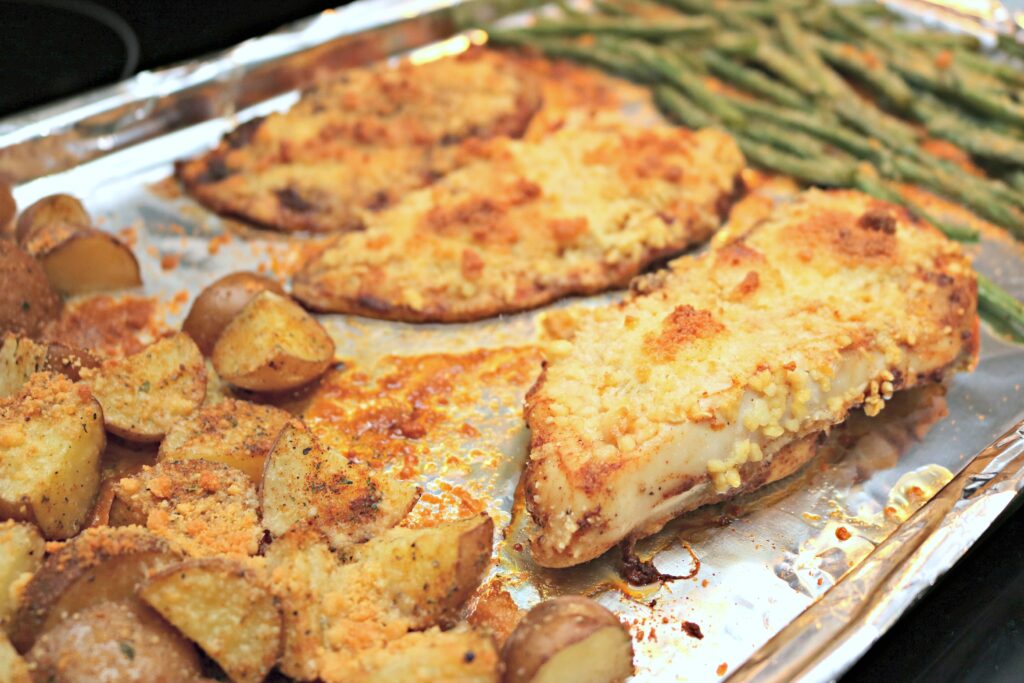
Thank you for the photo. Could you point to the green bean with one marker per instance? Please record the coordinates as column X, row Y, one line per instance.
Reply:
column 819, row 171
column 798, row 42
column 787, row 139
column 622, row 26
column 1000, row 307
column 751, row 80
column 680, row 109
column 877, row 75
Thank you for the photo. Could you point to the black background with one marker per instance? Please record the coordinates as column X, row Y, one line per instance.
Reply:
column 969, row 628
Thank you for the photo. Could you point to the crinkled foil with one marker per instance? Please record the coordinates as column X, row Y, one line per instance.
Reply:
column 795, row 581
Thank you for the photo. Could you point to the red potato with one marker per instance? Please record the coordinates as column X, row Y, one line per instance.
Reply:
column 113, row 641
column 272, row 345
column 101, row 564
column 220, row 302
column 27, row 299
column 568, row 639
column 54, row 208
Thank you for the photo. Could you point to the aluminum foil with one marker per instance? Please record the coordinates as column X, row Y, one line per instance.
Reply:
column 795, row 581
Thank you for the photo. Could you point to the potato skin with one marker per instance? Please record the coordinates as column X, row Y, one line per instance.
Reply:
column 23, row 551
column 54, row 208
column 8, row 210
column 114, row 641
column 99, row 565
column 552, row 627
column 27, row 300
column 220, row 302
column 69, row 252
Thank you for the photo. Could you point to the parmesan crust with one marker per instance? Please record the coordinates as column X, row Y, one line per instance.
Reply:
column 360, row 142
column 725, row 367
column 524, row 223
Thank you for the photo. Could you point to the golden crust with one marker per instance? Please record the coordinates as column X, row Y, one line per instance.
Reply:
column 733, row 358
column 525, row 223
column 360, row 142
column 203, row 508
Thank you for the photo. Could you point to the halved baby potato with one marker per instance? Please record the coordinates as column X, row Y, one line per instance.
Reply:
column 220, row 302
column 569, row 638
column 54, row 208
column 272, row 345
column 144, row 394
column 79, row 259
column 233, row 432
column 23, row 551
column 101, row 564
column 306, row 482
column 21, row 357
column 202, row 508
column 51, row 438
column 226, row 608
column 114, row 641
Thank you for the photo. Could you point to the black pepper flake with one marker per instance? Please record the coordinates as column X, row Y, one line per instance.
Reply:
column 127, row 650
column 469, row 656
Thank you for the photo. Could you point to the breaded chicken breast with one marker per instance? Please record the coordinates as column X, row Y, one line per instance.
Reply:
column 525, row 223
column 716, row 376
column 361, row 141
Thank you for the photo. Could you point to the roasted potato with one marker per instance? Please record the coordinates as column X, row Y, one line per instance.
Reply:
column 302, row 571
column 569, row 638
column 226, row 608
column 144, row 394
column 202, row 508
column 51, row 438
column 54, row 208
column 8, row 210
column 457, row 656
column 100, row 564
column 27, row 300
column 220, row 302
column 13, row 668
column 304, row 481
column 21, row 357
column 272, row 345
column 113, row 641
column 23, row 550
column 236, row 433
column 406, row 579
column 70, row 253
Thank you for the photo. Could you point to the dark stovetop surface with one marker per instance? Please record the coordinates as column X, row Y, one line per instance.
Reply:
column 970, row 627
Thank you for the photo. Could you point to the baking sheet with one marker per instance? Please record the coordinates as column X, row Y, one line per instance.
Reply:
column 795, row 581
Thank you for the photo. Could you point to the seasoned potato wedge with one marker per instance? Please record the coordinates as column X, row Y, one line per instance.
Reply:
column 236, row 433
column 100, row 564
column 220, row 302
column 51, row 438
column 22, row 554
column 457, row 656
column 272, row 345
column 70, row 253
column 113, row 641
column 13, row 668
column 54, row 208
column 202, row 508
column 403, row 580
column 27, row 299
column 226, row 608
column 144, row 394
column 568, row 638
column 21, row 357
column 304, row 481
column 302, row 571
